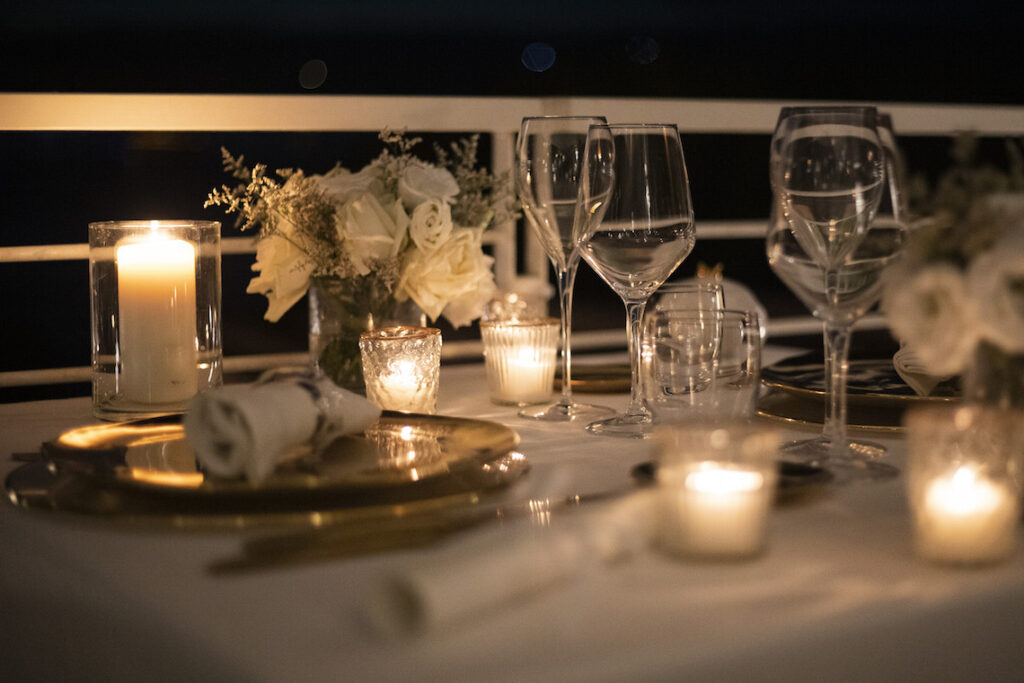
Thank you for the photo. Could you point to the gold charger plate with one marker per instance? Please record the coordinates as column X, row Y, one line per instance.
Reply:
column 870, row 381
column 795, row 409
column 603, row 378
column 145, row 471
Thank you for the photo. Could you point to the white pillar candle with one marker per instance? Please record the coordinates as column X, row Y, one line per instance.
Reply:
column 520, row 360
column 967, row 518
column 714, row 511
column 157, row 321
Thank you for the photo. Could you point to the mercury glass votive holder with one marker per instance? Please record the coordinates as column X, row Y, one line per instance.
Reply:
column 520, row 358
column 402, row 367
column 964, row 482
column 155, row 315
column 715, row 487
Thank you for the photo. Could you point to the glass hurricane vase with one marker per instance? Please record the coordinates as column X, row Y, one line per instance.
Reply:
column 338, row 313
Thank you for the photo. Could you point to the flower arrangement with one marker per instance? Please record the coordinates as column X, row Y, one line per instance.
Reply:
column 959, row 288
column 399, row 226
column 399, row 229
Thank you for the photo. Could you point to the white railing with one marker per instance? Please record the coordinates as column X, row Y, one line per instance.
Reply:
column 498, row 116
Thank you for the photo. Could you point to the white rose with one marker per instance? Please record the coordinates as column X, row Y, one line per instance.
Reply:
column 370, row 231
column 340, row 185
column 932, row 313
column 455, row 279
column 420, row 182
column 995, row 281
column 283, row 271
column 431, row 224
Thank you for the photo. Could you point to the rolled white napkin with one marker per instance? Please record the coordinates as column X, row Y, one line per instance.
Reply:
column 909, row 367
column 501, row 570
column 249, row 429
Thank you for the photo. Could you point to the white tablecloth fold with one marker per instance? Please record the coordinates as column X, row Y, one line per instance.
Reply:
column 248, row 429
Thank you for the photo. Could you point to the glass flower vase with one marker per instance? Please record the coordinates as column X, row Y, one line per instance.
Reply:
column 338, row 313
column 995, row 377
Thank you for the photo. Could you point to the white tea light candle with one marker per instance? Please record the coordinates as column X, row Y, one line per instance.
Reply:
column 967, row 518
column 156, row 282
column 716, row 512
column 715, row 487
column 519, row 357
column 963, row 481
column 401, row 367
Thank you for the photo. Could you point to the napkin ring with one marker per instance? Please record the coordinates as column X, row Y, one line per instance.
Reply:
column 304, row 378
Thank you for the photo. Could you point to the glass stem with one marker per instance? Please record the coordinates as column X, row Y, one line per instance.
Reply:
column 566, row 280
column 837, row 364
column 634, row 318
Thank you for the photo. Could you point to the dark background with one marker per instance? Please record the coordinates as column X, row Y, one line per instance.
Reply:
column 53, row 183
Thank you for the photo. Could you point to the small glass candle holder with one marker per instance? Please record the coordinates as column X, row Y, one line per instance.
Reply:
column 155, row 312
column 716, row 484
column 964, row 482
column 402, row 367
column 520, row 357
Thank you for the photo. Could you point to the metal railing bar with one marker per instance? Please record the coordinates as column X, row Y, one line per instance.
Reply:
column 161, row 112
column 752, row 229
column 460, row 350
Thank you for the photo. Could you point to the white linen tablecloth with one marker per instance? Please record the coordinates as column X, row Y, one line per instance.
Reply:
column 838, row 596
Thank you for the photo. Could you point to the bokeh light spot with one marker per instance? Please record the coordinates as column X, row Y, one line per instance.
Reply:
column 643, row 49
column 538, row 57
column 313, row 74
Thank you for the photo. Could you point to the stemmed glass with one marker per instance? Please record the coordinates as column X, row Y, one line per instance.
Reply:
column 828, row 172
column 549, row 158
column 636, row 228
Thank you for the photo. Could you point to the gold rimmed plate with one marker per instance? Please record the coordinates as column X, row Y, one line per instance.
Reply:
column 146, row 469
column 869, row 381
column 598, row 378
column 795, row 409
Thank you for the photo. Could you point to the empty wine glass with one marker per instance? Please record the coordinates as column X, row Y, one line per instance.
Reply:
column 549, row 159
column 636, row 228
column 828, row 173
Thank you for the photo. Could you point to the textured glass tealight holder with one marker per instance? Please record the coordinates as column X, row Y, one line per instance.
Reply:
column 520, row 358
column 964, row 482
column 716, row 484
column 402, row 367
column 155, row 314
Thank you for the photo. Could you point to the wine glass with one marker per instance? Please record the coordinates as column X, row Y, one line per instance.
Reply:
column 636, row 228
column 828, row 171
column 549, row 157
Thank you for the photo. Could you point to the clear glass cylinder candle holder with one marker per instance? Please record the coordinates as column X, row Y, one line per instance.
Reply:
column 402, row 367
column 520, row 358
column 716, row 484
column 964, row 482
column 155, row 314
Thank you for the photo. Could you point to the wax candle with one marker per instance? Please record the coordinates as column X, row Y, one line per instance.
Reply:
column 519, row 357
column 967, row 518
column 715, row 511
column 401, row 367
column 401, row 385
column 157, row 320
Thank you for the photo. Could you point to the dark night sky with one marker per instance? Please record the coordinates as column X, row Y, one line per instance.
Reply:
column 913, row 50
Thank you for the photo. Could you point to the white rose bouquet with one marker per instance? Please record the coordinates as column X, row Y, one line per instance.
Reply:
column 400, row 229
column 958, row 291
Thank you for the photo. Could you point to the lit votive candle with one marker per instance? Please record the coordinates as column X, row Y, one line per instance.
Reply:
column 401, row 367
column 716, row 486
column 966, row 518
column 519, row 357
column 963, row 467
column 156, row 282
